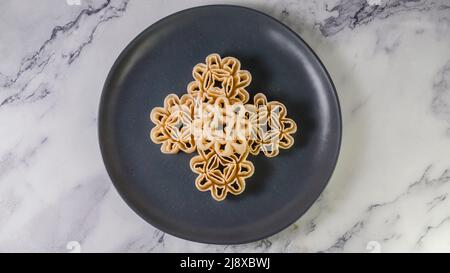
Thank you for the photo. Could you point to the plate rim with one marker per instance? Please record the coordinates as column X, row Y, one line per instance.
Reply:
column 335, row 99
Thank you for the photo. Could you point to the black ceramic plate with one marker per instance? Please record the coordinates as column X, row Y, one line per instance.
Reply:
column 160, row 187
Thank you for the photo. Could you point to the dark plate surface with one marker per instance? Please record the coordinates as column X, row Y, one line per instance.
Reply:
column 160, row 187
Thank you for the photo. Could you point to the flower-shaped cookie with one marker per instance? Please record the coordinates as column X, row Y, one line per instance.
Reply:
column 273, row 129
column 214, row 120
column 174, row 124
column 220, row 77
column 221, row 126
column 221, row 174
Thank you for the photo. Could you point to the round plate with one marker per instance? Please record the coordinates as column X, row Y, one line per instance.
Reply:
column 160, row 187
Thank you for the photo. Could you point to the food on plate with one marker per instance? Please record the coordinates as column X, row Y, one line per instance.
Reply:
column 215, row 119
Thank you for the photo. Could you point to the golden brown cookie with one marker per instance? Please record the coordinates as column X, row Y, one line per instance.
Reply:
column 221, row 174
column 220, row 77
column 221, row 126
column 273, row 129
column 174, row 124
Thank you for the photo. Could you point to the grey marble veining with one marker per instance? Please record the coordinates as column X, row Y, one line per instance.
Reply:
column 389, row 60
column 441, row 94
column 353, row 13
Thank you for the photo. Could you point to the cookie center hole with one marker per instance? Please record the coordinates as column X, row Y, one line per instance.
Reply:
column 217, row 84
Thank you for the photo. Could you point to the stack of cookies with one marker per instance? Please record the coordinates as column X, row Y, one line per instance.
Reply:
column 215, row 119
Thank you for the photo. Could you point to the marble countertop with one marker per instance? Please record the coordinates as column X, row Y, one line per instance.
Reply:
column 389, row 60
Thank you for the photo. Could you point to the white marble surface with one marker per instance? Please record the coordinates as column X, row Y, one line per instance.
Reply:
column 391, row 66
